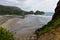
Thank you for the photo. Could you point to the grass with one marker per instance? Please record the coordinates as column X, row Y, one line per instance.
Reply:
column 51, row 25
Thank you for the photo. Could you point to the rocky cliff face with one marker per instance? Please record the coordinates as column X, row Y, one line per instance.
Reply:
column 57, row 11
column 51, row 31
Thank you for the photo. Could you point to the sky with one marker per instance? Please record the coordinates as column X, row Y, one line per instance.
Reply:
column 32, row 5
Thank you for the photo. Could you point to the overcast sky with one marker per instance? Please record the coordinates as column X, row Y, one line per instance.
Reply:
column 28, row 5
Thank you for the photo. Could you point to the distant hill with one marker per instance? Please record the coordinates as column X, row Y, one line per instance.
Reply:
column 10, row 10
column 39, row 12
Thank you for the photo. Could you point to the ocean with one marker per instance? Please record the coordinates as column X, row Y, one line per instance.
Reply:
column 48, row 13
column 36, row 20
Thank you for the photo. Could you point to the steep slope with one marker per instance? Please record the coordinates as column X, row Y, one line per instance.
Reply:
column 51, row 31
column 57, row 11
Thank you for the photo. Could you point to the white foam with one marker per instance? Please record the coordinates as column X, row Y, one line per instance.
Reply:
column 34, row 20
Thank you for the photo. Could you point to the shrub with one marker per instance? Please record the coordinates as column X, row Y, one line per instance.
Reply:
column 5, row 34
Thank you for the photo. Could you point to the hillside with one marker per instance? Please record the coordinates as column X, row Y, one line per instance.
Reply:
column 51, row 31
column 10, row 10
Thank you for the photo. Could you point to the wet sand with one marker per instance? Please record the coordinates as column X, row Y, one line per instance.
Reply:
column 21, row 33
column 23, row 28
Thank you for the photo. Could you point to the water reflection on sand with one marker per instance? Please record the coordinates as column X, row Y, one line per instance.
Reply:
column 26, row 27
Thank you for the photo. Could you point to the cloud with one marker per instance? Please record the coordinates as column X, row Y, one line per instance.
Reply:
column 43, row 5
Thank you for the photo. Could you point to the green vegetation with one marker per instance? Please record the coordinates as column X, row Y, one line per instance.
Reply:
column 5, row 34
column 39, row 12
column 51, row 25
column 8, row 10
column 35, row 13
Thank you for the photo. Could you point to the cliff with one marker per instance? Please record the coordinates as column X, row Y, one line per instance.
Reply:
column 57, row 11
column 51, row 31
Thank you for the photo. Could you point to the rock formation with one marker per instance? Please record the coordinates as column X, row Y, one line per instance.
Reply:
column 57, row 11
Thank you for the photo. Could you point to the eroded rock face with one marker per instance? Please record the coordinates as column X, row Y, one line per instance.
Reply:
column 53, row 34
column 57, row 11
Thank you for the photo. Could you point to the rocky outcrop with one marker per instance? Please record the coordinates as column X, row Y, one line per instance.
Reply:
column 51, row 31
column 39, row 13
column 57, row 11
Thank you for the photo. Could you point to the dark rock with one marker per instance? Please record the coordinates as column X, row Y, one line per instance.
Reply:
column 57, row 11
column 39, row 12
